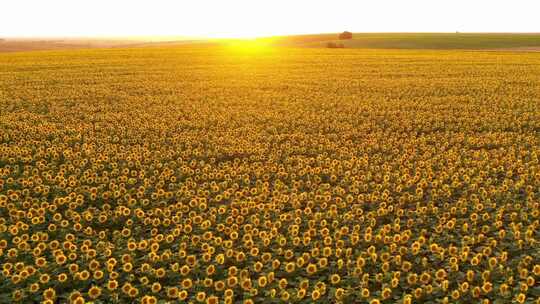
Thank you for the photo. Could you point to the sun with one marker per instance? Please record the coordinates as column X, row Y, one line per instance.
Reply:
column 236, row 31
column 247, row 45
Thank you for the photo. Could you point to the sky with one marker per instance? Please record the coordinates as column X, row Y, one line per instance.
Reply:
column 246, row 19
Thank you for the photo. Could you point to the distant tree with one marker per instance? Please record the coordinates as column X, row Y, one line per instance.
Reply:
column 345, row 35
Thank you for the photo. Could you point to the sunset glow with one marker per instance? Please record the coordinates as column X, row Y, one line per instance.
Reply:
column 246, row 19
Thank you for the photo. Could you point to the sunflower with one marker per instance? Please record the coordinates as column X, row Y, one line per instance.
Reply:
column 262, row 281
column 232, row 281
column 283, row 283
column 98, row 275
column 148, row 300
column 212, row 300
column 94, row 292
column 84, row 275
column 470, row 275
column 201, row 296
column 530, row 281
column 34, row 287
column 536, row 270
column 133, row 292
column 311, row 269
column 182, row 295
column 112, row 285
column 78, row 300
column 186, row 283
column 476, row 292
column 290, row 267
column 285, row 296
column 487, row 287
column 386, row 293
column 407, row 299
column 418, row 292
column 315, row 295
column 73, row 268
column 126, row 288
column 412, row 278
column 17, row 295
column 184, row 270
column 455, row 295
column 44, row 278
column 127, row 267
column 40, row 262
column 365, row 293
column 172, row 292
column 246, row 284
column 425, row 278
column 492, row 262
column 275, row 264
column 49, row 294
column 160, row 272
column 406, row 266
column 228, row 293
column 440, row 274
column 74, row 295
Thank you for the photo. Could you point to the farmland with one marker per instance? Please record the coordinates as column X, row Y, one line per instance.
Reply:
column 408, row 41
column 423, row 41
column 269, row 175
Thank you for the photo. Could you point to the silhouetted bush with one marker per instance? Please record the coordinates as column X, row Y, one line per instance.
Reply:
column 333, row 45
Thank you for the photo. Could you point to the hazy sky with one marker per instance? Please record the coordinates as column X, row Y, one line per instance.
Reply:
column 243, row 18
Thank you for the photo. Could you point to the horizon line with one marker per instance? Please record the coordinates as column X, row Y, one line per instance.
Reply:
column 219, row 37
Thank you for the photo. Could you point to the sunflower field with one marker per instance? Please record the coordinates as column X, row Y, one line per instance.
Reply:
column 221, row 175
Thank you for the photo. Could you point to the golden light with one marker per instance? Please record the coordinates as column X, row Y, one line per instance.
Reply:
column 247, row 45
column 245, row 19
